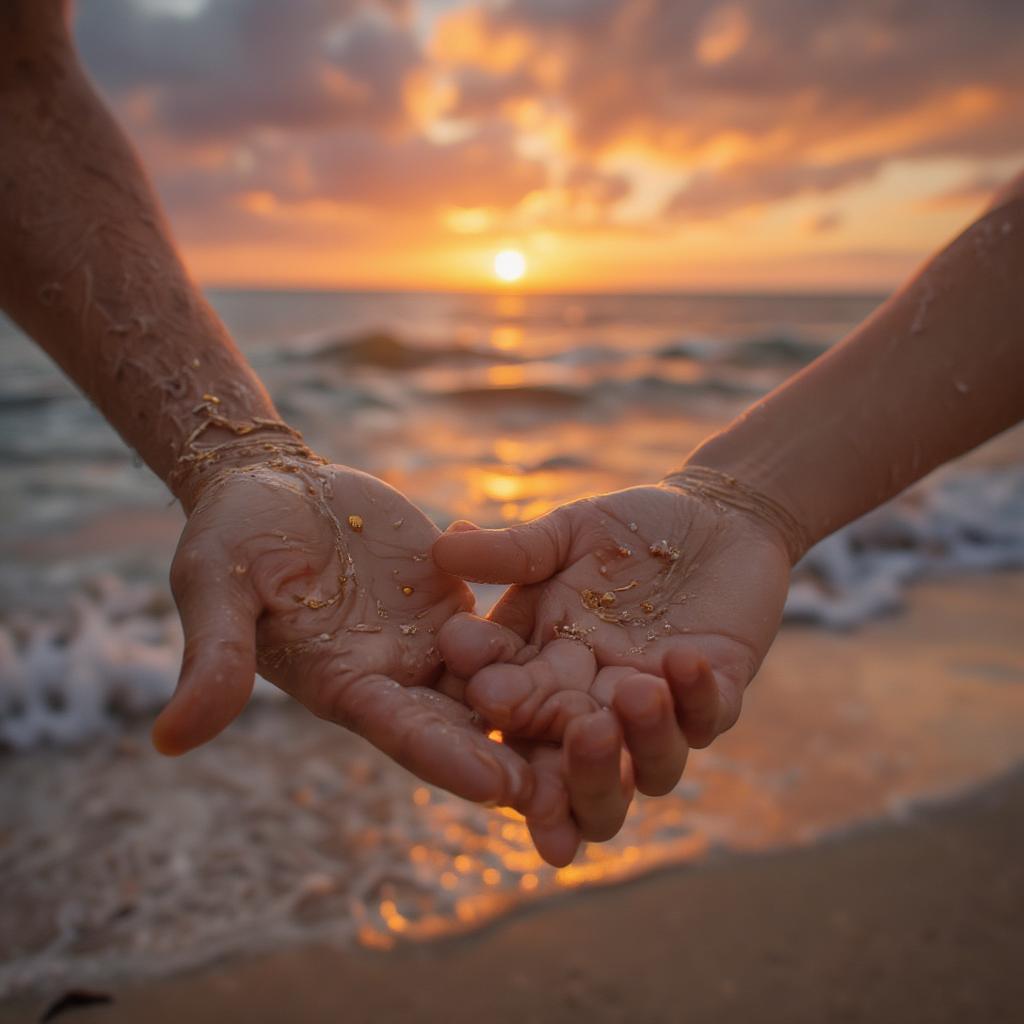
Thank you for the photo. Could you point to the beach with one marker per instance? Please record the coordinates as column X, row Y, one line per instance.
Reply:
column 916, row 921
column 883, row 880
column 849, row 851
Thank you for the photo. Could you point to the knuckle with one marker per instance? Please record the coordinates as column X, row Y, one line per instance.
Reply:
column 329, row 700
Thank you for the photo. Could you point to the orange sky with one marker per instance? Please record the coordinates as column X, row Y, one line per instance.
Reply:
column 619, row 144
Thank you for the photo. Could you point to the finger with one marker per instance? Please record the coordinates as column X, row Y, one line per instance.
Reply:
column 431, row 735
column 468, row 643
column 704, row 707
column 597, row 792
column 517, row 610
column 540, row 697
column 528, row 553
column 548, row 817
column 218, row 615
column 645, row 710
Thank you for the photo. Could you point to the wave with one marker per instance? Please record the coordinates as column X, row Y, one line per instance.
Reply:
column 781, row 350
column 775, row 350
column 109, row 656
column 383, row 350
column 959, row 520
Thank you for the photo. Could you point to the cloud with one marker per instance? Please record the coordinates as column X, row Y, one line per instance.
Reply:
column 545, row 113
column 238, row 65
column 245, row 107
column 973, row 191
column 750, row 183
column 757, row 102
column 823, row 223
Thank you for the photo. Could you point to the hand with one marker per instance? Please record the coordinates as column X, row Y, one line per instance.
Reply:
column 321, row 577
column 652, row 601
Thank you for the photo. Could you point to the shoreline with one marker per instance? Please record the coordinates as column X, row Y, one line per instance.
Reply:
column 843, row 736
column 921, row 920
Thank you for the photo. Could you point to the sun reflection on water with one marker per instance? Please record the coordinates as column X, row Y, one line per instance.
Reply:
column 469, row 876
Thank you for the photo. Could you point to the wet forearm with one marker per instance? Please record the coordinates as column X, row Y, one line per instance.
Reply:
column 88, row 269
column 935, row 372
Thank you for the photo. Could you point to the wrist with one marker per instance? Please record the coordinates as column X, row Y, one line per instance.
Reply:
column 220, row 446
column 725, row 489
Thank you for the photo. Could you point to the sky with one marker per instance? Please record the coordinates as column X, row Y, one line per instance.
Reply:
column 619, row 145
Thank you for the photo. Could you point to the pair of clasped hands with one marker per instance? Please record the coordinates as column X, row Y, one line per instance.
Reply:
column 632, row 624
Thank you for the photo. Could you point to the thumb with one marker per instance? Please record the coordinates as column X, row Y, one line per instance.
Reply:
column 218, row 669
column 528, row 553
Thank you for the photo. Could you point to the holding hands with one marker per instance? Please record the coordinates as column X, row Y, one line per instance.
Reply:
column 633, row 620
column 632, row 625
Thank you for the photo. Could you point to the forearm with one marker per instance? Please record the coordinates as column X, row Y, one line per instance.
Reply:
column 88, row 269
column 935, row 372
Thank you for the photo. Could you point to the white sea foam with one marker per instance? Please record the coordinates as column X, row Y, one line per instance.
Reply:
column 959, row 520
column 111, row 655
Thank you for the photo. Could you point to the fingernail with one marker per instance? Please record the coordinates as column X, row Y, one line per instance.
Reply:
column 600, row 739
column 461, row 526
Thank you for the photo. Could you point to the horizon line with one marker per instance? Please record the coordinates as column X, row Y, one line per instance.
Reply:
column 760, row 291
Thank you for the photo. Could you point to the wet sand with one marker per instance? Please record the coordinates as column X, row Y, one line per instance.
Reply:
column 917, row 918
column 917, row 921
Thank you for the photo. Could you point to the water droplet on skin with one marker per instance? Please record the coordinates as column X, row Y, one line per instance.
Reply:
column 356, row 523
column 633, row 527
column 408, row 591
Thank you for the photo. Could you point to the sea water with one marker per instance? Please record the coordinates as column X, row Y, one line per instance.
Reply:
column 488, row 407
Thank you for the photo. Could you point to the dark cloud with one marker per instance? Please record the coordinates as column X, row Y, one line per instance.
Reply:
column 408, row 177
column 711, row 194
column 328, row 77
column 416, row 174
column 237, row 65
column 824, row 223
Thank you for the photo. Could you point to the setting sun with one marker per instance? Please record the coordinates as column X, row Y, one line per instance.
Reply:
column 509, row 265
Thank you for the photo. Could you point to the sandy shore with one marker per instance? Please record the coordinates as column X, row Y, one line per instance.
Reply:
column 917, row 918
column 920, row 921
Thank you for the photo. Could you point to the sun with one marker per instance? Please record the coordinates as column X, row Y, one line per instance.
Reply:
column 509, row 265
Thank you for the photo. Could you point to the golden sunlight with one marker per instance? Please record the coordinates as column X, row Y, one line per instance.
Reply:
column 509, row 265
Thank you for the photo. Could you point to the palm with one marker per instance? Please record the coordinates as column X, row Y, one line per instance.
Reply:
column 323, row 579
column 638, row 574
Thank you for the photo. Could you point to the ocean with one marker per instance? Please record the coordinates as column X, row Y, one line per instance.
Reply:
column 491, row 407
